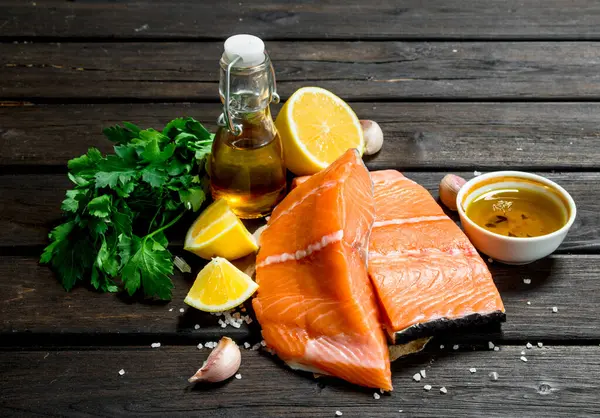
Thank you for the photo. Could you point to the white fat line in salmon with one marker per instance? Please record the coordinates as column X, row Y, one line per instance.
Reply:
column 424, row 251
column 383, row 183
column 300, row 254
column 324, row 186
column 410, row 220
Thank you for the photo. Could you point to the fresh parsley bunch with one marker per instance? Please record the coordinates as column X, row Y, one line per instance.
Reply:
column 122, row 203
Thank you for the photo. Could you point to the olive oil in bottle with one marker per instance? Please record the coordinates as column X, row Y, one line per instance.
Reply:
column 246, row 165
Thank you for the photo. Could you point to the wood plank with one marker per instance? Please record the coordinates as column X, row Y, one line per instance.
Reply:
column 36, row 304
column 36, row 310
column 556, row 381
column 353, row 70
column 353, row 19
column 31, row 206
column 485, row 136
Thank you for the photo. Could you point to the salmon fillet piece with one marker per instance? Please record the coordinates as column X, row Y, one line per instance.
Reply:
column 425, row 270
column 315, row 302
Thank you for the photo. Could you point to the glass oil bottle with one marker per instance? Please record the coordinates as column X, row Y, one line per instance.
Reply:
column 246, row 165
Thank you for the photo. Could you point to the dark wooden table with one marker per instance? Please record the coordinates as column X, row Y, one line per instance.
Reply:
column 457, row 86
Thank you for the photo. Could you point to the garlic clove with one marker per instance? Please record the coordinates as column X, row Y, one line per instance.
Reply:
column 449, row 187
column 222, row 363
column 372, row 136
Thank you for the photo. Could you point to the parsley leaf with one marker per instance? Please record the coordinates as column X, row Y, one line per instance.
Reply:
column 113, row 235
column 149, row 268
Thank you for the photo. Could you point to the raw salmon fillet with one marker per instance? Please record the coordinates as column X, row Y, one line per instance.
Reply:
column 425, row 270
column 315, row 303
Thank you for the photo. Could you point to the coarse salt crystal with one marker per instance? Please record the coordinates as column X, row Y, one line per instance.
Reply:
column 455, row 50
column 381, row 390
column 376, row 395
column 181, row 310
column 423, row 373
column 417, row 377
column 455, row 347
column 527, row 281
column 263, row 343
column 196, row 326
column 235, row 325
column 554, row 309
column 472, row 369
column 443, row 389
column 490, row 260
column 171, row 310
column 246, row 345
column 493, row 376
column 442, row 347
column 528, row 302
column 522, row 353
column 496, row 348
column 338, row 413
column 528, row 345
column 523, row 358
column 476, row 173
column 427, row 387
column 540, row 345
column 200, row 346
column 122, row 372
column 255, row 346
column 490, row 345
column 238, row 376
column 155, row 345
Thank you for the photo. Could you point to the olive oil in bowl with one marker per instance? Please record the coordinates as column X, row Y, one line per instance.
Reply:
column 515, row 217
column 517, row 212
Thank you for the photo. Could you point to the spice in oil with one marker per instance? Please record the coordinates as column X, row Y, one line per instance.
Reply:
column 518, row 212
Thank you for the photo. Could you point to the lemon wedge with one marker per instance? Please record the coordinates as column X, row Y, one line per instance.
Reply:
column 316, row 127
column 220, row 286
column 218, row 232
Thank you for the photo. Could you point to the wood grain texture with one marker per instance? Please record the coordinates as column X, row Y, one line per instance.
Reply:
column 353, row 70
column 87, row 383
column 30, row 206
column 36, row 304
column 35, row 307
column 485, row 136
column 354, row 19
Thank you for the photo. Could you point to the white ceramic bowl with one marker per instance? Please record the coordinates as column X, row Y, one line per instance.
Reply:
column 510, row 250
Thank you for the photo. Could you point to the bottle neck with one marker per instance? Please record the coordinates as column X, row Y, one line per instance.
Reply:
column 257, row 116
column 250, row 88
column 245, row 92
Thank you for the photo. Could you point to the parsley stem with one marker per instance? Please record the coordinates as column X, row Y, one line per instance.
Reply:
column 170, row 224
column 155, row 215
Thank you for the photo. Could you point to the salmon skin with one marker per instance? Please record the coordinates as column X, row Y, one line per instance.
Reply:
column 427, row 274
column 315, row 302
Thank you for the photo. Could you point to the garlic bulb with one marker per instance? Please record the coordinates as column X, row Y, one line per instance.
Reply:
column 449, row 187
column 222, row 363
column 372, row 136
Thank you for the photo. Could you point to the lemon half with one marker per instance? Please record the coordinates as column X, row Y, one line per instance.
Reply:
column 317, row 127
